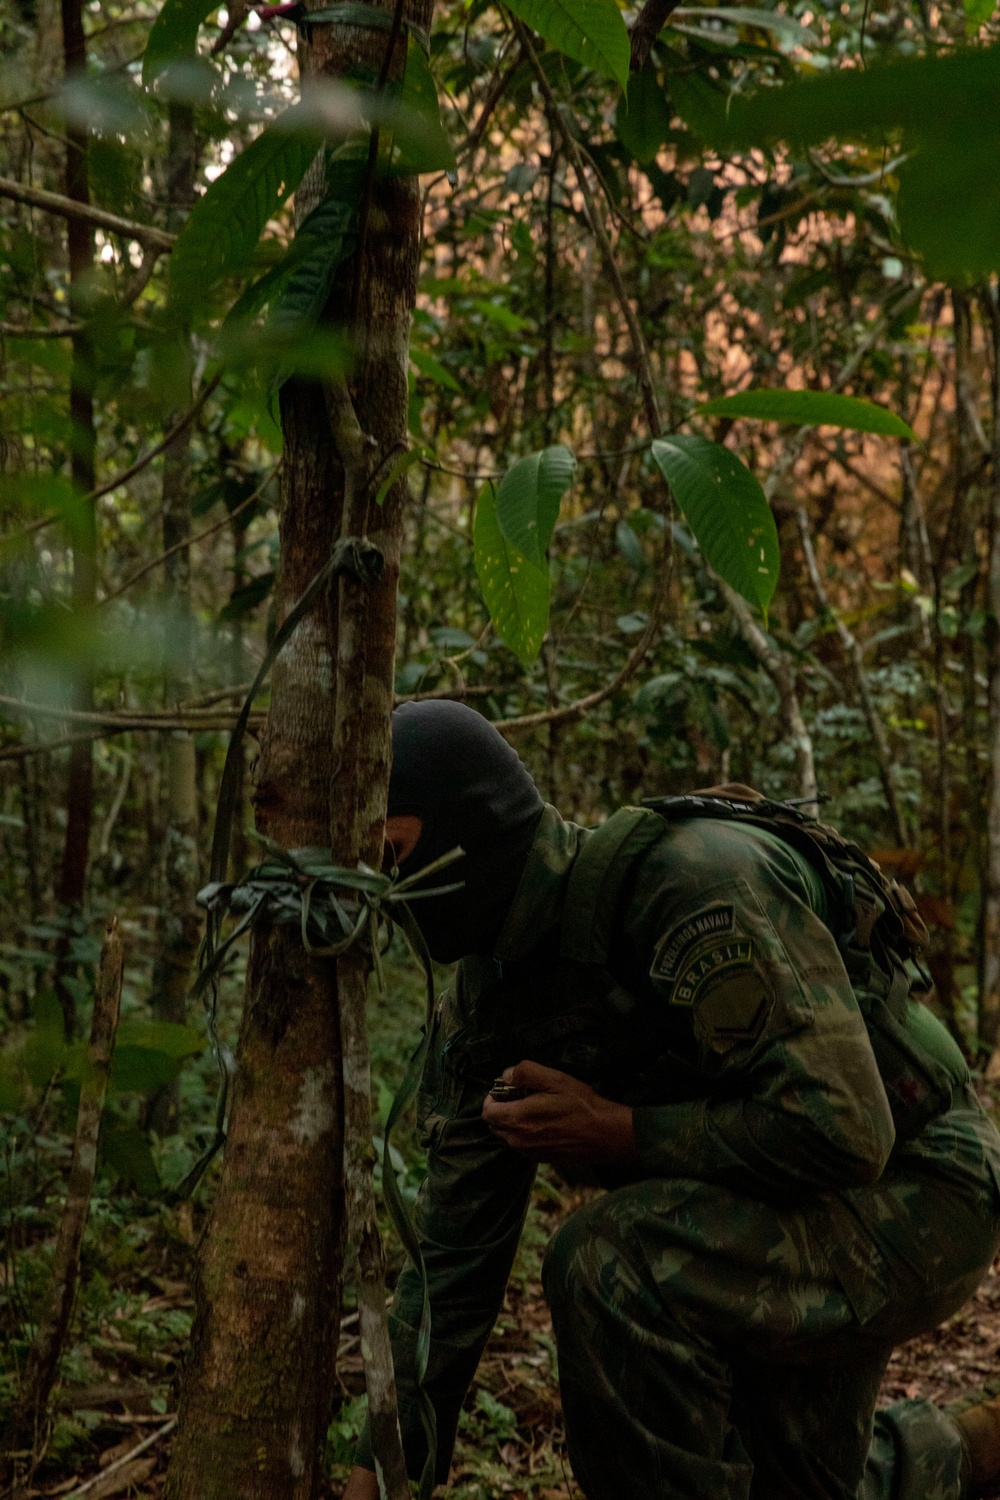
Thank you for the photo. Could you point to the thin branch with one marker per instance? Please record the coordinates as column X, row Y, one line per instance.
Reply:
column 631, row 665
column 558, row 115
column 25, row 331
column 117, row 719
column 497, row 90
column 68, row 208
column 650, row 22
column 126, row 1458
column 141, row 463
column 852, row 650
column 189, row 541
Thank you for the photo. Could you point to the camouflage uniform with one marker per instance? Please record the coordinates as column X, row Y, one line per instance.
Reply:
column 724, row 1319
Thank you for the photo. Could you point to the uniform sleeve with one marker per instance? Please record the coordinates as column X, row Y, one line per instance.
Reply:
column 469, row 1215
column 795, row 1101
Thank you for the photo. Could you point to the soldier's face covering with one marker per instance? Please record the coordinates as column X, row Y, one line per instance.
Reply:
column 455, row 772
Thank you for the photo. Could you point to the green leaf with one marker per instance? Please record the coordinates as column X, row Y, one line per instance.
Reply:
column 126, row 1150
column 643, row 116
column 591, row 31
column 515, row 588
column 949, row 205
column 322, row 242
column 173, row 35
column 977, row 13
column 225, row 224
column 791, row 32
column 728, row 512
column 433, row 369
column 136, row 1070
column 816, row 408
column 162, row 1036
column 527, row 501
column 420, row 141
column 701, row 106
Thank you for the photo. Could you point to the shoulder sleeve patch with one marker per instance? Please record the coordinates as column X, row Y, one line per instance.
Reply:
column 698, row 931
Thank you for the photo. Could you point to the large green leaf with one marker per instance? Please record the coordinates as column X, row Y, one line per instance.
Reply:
column 591, row 31
column 515, row 587
column 173, row 35
column 527, row 500
column 817, row 408
column 643, row 117
column 421, row 144
column 322, row 241
column 225, row 224
column 728, row 512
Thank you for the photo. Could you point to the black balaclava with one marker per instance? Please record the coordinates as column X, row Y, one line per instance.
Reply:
column 457, row 773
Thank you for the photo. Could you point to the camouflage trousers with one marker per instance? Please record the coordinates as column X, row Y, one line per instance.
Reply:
column 709, row 1348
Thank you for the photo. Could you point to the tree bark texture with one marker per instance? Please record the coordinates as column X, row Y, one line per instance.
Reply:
column 80, row 252
column 989, row 1016
column 178, row 924
column 258, row 1389
column 43, row 1359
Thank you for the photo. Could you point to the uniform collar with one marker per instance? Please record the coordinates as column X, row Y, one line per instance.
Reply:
column 538, row 902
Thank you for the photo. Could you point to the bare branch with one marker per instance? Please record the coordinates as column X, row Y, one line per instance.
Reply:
column 68, row 208
column 651, row 21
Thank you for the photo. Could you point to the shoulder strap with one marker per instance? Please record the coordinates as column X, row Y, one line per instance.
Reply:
column 596, row 879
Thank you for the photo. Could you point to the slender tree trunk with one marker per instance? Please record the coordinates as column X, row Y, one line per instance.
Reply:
column 256, row 1398
column 989, row 1015
column 50, row 1337
column 178, row 925
column 80, row 250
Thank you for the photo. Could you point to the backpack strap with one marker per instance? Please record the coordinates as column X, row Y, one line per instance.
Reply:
column 596, row 880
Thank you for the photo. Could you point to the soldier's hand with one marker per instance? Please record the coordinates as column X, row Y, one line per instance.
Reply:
column 562, row 1120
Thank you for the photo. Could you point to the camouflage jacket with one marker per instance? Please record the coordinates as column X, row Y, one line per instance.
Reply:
column 729, row 1024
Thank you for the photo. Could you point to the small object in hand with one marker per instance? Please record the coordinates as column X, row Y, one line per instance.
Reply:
column 505, row 1093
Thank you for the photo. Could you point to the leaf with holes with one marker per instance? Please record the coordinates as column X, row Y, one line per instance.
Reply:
column 225, row 224
column 817, row 408
column 728, row 512
column 515, row 588
column 527, row 501
column 591, row 31
column 173, row 35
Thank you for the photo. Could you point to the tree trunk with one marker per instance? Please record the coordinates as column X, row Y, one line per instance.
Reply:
column 178, row 925
column 80, row 252
column 256, row 1399
column 989, row 1012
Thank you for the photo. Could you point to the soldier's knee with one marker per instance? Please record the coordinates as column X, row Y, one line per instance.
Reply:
column 573, row 1263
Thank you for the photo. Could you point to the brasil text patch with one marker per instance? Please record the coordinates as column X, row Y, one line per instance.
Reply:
column 699, row 950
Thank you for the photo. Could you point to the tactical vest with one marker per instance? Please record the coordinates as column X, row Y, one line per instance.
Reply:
column 872, row 918
column 598, row 1029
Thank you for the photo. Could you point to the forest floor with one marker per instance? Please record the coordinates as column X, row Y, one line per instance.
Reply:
column 113, row 1410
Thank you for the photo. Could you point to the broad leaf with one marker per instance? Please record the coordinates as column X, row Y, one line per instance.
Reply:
column 791, row 32
column 591, row 31
column 126, row 1151
column 515, row 588
column 977, row 13
column 173, row 35
column 322, row 242
column 817, row 408
column 420, row 141
column 643, row 117
column 161, row 1036
column 527, row 500
column 225, row 224
column 728, row 512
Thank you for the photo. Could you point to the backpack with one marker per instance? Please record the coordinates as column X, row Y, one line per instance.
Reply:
column 880, row 936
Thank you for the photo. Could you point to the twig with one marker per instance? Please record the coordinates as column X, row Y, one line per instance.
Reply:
column 68, row 208
column 497, row 90
column 154, row 1437
column 557, row 114
column 852, row 650
column 141, row 463
column 25, row 331
column 649, row 23
column 631, row 665
column 189, row 541
column 48, row 1342
column 115, row 719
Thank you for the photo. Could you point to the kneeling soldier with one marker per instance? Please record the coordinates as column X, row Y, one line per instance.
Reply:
column 711, row 1003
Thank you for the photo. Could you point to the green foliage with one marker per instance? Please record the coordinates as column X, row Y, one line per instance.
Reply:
column 528, row 498
column 591, row 31
column 727, row 511
column 223, row 228
column 173, row 35
column 817, row 408
column 643, row 116
column 421, row 143
column 515, row 587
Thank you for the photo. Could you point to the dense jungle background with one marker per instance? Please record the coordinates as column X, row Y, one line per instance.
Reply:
column 591, row 259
